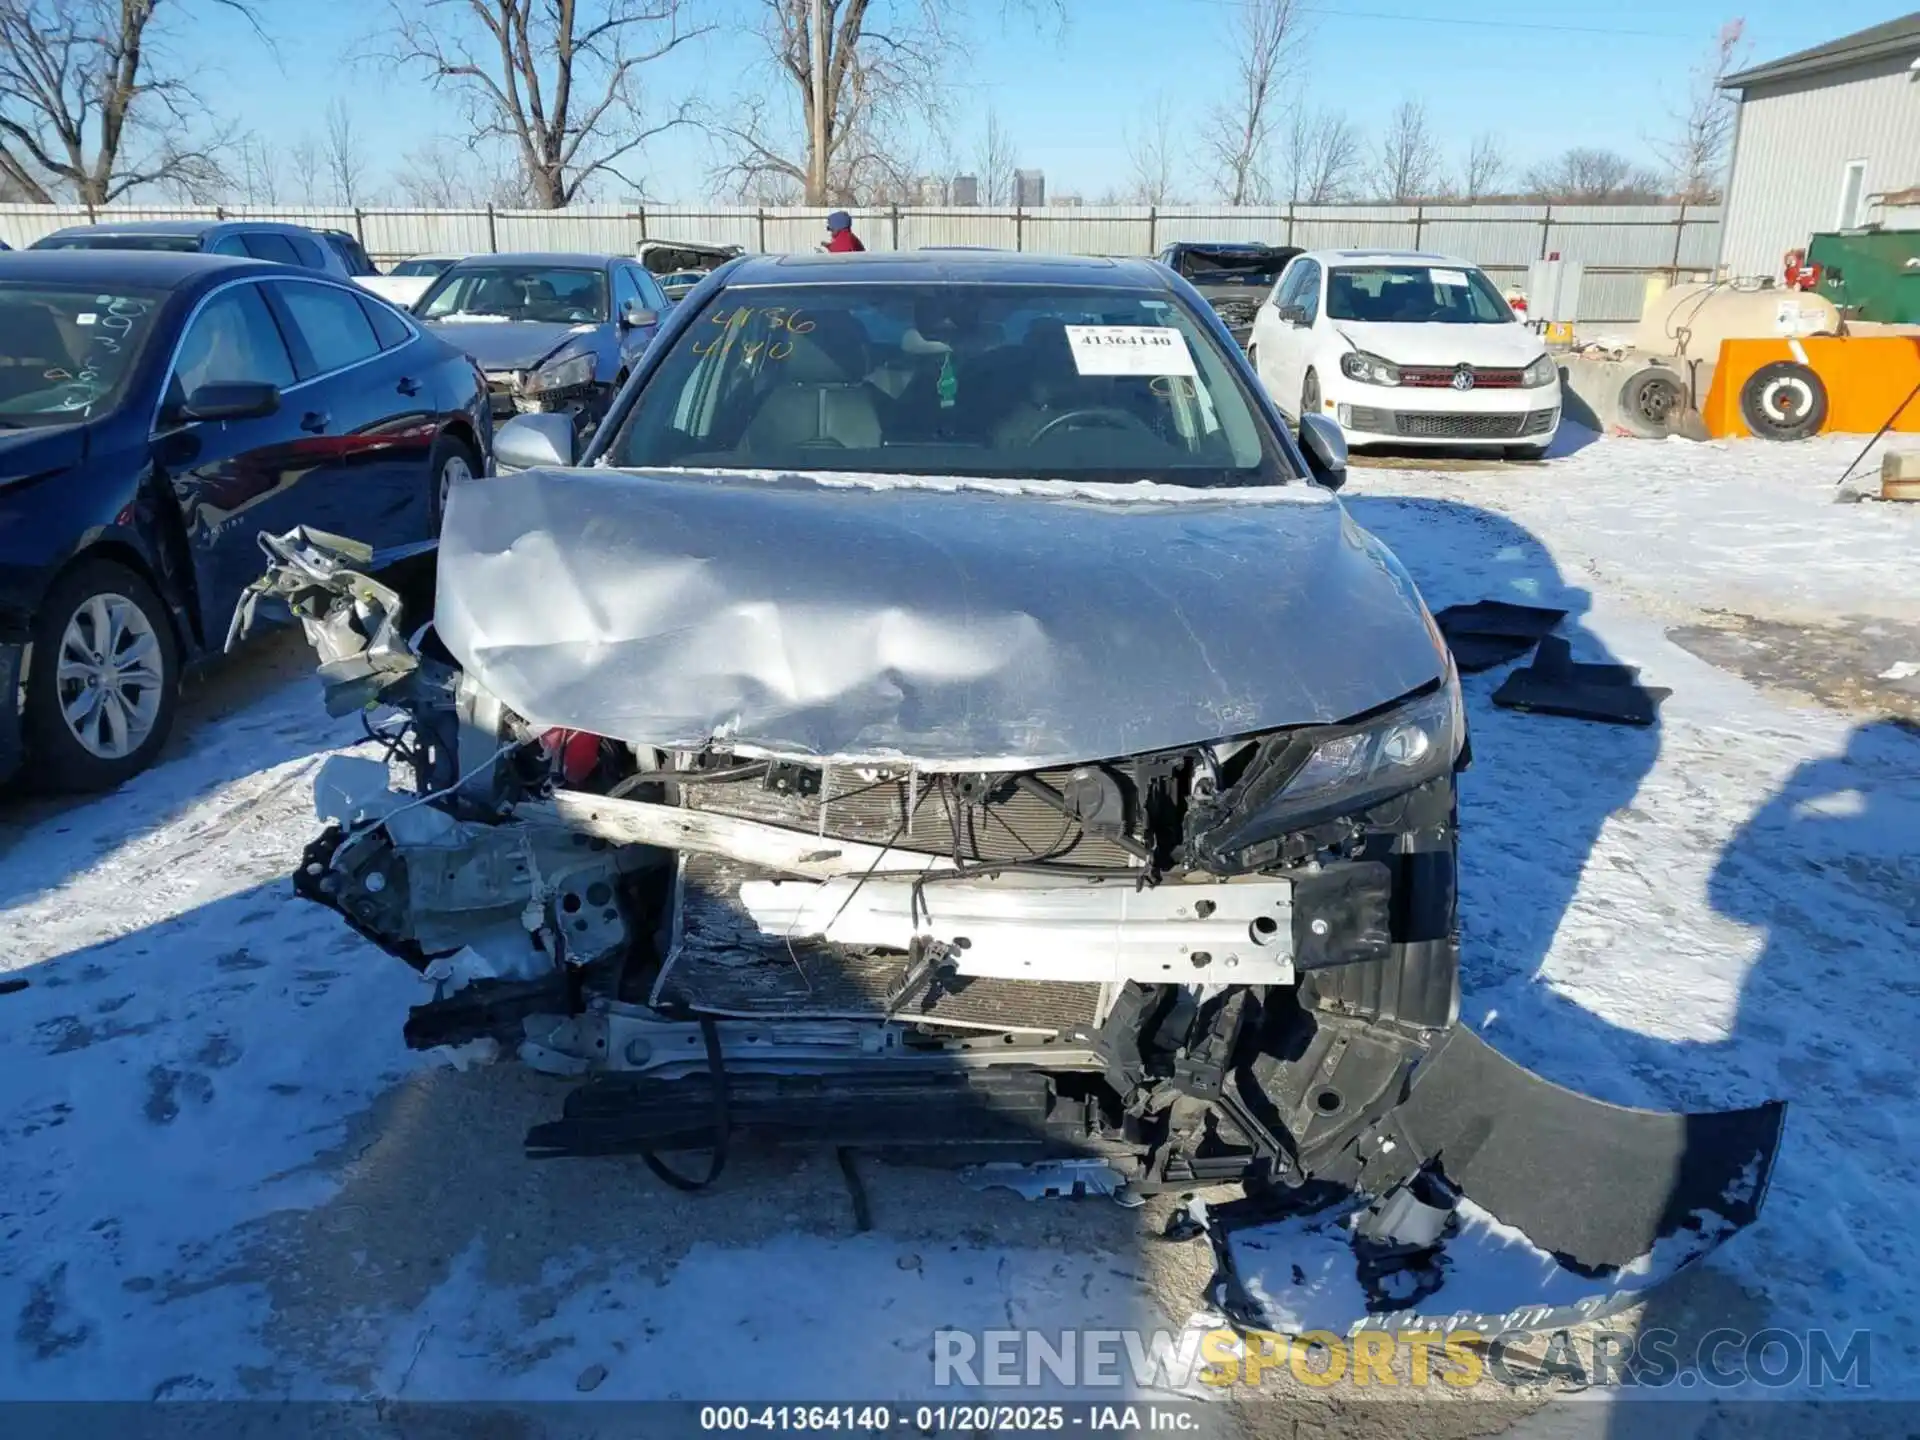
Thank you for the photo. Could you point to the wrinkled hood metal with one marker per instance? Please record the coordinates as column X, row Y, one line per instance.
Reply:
column 512, row 344
column 1498, row 346
column 957, row 625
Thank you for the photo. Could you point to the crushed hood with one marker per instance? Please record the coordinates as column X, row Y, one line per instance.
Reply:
column 510, row 344
column 1495, row 346
column 956, row 625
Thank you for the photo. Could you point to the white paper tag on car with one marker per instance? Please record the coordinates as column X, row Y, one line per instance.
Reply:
column 1129, row 350
column 1449, row 277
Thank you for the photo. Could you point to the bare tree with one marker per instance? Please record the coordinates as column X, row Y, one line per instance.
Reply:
column 345, row 159
column 1267, row 36
column 882, row 72
column 1695, row 150
column 1153, row 155
column 1486, row 162
column 1594, row 177
column 1407, row 166
column 557, row 81
column 91, row 105
column 1320, row 155
column 995, row 161
column 258, row 170
column 307, row 163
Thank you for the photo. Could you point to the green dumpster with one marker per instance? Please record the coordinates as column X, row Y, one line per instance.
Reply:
column 1871, row 274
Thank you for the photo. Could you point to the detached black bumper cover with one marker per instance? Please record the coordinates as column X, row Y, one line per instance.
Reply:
column 1563, row 1208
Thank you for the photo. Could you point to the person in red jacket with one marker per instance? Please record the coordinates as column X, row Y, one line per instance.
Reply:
column 840, row 236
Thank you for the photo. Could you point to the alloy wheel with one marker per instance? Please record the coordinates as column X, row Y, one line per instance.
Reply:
column 109, row 676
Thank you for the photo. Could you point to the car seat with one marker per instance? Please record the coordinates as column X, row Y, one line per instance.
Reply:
column 820, row 396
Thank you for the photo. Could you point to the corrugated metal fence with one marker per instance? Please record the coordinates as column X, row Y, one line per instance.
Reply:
column 1619, row 244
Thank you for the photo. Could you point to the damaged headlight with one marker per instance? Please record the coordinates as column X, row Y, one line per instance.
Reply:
column 1305, row 777
column 1370, row 369
column 565, row 374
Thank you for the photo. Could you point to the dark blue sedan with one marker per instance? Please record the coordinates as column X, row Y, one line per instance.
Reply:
column 554, row 333
column 158, row 411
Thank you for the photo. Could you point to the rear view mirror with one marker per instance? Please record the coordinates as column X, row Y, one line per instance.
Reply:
column 230, row 400
column 1293, row 314
column 634, row 317
column 1326, row 448
column 530, row 442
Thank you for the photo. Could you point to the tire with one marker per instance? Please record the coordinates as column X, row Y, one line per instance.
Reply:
column 1652, row 402
column 449, row 452
column 1310, row 396
column 126, row 730
column 1784, row 401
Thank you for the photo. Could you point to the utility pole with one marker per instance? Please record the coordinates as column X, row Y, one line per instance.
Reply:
column 817, row 180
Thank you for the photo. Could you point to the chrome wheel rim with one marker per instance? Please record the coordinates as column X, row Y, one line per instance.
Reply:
column 109, row 676
column 456, row 471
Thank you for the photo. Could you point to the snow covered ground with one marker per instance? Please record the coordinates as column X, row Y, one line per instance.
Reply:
column 225, row 1176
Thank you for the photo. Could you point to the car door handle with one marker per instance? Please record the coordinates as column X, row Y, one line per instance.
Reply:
column 408, row 386
column 315, row 422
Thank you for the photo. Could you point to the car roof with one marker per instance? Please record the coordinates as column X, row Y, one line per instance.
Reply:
column 152, row 269
column 950, row 267
column 1231, row 247
column 561, row 259
column 177, row 227
column 1385, row 257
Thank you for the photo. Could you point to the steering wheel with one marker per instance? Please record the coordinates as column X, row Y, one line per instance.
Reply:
column 1099, row 417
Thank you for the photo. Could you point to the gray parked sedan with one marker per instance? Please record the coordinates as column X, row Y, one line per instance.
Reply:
column 554, row 333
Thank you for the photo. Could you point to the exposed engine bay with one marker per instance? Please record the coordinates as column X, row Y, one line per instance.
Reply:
column 1226, row 962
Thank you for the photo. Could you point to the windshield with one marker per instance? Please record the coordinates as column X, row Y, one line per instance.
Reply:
column 65, row 353
column 943, row 379
column 1205, row 267
column 421, row 267
column 542, row 293
column 1415, row 295
column 185, row 244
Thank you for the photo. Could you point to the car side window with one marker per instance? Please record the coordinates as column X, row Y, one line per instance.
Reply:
column 1288, row 286
column 308, row 252
column 652, row 297
column 233, row 339
column 265, row 245
column 229, row 244
column 1308, row 296
column 626, row 290
column 337, row 331
column 388, row 328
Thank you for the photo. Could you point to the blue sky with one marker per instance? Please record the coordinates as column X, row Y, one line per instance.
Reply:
column 1543, row 77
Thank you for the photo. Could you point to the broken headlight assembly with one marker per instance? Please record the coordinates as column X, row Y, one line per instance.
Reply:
column 568, row 374
column 1369, row 369
column 1300, row 778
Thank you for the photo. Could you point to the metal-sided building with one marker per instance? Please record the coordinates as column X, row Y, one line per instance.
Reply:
column 1822, row 135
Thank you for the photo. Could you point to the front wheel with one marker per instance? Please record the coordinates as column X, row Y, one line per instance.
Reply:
column 104, row 679
column 452, row 463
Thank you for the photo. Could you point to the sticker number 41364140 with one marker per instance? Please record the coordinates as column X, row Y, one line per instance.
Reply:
column 1129, row 350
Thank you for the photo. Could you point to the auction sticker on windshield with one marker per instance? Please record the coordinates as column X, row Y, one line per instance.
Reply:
column 1449, row 277
column 1129, row 350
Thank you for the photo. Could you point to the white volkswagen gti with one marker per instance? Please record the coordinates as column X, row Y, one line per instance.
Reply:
column 1405, row 348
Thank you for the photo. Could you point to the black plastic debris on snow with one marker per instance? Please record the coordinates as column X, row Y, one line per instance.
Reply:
column 1554, row 685
column 1492, row 632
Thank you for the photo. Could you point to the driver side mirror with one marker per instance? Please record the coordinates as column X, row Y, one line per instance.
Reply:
column 1326, row 447
column 1293, row 314
column 529, row 442
column 637, row 317
column 228, row 400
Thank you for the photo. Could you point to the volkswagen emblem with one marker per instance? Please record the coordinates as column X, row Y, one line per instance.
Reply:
column 1463, row 377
